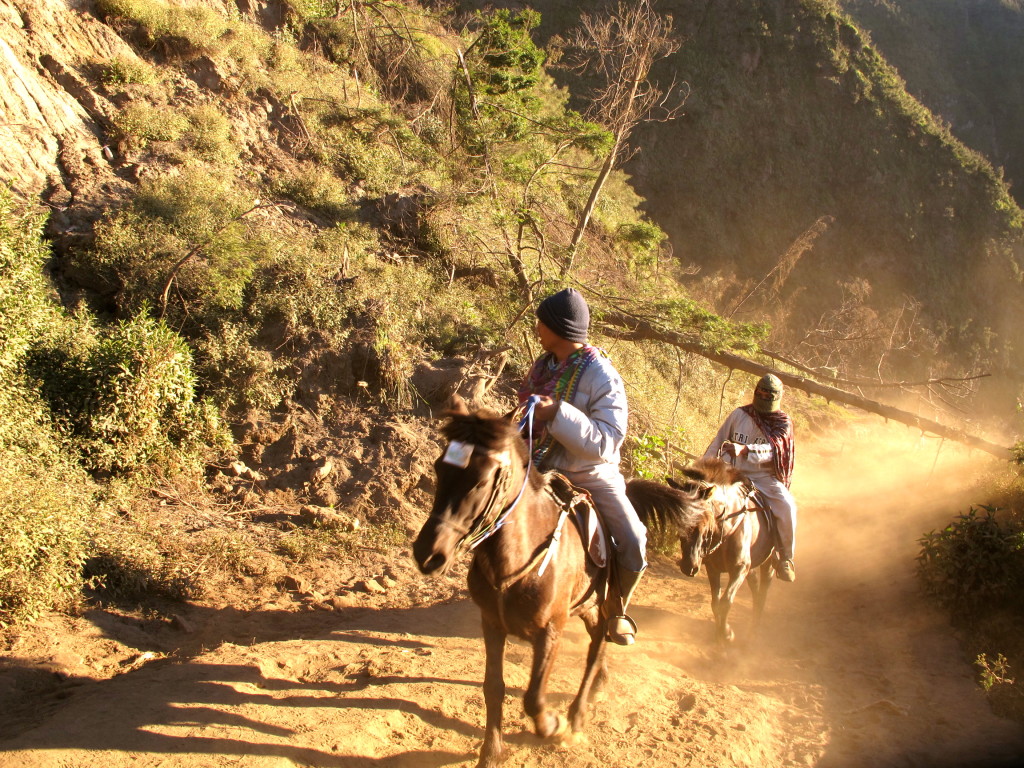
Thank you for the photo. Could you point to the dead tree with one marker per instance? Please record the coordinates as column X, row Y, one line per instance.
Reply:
column 618, row 47
column 623, row 326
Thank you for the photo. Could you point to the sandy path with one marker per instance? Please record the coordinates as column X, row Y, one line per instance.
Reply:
column 851, row 668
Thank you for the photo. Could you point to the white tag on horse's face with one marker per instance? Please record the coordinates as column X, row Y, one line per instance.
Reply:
column 458, row 454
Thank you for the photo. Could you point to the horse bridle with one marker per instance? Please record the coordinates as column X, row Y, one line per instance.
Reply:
column 481, row 530
column 723, row 517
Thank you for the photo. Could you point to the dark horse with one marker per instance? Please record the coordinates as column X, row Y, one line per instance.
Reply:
column 720, row 522
column 530, row 571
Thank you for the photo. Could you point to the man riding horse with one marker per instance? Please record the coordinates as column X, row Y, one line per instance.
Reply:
column 758, row 439
column 581, row 415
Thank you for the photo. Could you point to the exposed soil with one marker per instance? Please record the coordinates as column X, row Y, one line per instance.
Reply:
column 851, row 667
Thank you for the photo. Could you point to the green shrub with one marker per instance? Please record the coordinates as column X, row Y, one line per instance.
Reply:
column 44, row 498
column 183, row 246
column 208, row 134
column 43, row 511
column 141, row 123
column 504, row 65
column 129, row 398
column 197, row 29
column 976, row 563
column 311, row 9
column 27, row 307
column 714, row 332
column 303, row 291
column 647, row 456
column 641, row 237
column 187, row 32
column 127, row 70
column 318, row 190
column 237, row 374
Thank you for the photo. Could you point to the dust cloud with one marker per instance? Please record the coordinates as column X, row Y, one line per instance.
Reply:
column 852, row 664
column 850, row 667
column 867, row 493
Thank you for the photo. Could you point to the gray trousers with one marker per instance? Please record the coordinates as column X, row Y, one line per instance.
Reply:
column 607, row 486
column 783, row 512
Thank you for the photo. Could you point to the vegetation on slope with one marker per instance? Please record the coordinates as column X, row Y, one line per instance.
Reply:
column 311, row 216
column 962, row 59
column 974, row 568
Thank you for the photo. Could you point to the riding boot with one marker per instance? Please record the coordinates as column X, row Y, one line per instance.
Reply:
column 782, row 562
column 621, row 628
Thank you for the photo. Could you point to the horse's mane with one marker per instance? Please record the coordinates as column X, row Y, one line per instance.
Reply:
column 712, row 470
column 490, row 431
column 680, row 503
column 664, row 507
column 484, row 428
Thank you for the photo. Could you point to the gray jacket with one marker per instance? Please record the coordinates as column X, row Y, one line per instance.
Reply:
column 590, row 430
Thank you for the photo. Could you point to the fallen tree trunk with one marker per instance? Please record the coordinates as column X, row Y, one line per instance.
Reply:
column 623, row 326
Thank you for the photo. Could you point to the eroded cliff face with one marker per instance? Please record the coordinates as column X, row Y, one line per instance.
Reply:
column 52, row 125
column 56, row 133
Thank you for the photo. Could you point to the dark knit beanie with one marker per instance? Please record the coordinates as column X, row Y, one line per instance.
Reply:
column 567, row 314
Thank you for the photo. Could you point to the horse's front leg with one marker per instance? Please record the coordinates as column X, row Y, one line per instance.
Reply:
column 737, row 575
column 547, row 724
column 715, row 581
column 759, row 584
column 492, row 752
column 595, row 670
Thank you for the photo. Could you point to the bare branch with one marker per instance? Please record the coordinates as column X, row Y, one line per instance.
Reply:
column 623, row 326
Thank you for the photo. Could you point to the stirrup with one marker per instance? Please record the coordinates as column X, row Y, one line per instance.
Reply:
column 785, row 571
column 621, row 630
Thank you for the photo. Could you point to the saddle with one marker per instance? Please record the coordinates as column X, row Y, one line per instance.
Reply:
column 584, row 515
column 759, row 503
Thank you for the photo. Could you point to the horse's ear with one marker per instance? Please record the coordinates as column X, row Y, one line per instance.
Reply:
column 705, row 491
column 457, row 407
column 511, row 415
column 673, row 484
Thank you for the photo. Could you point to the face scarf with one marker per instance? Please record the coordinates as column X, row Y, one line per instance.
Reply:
column 559, row 382
column 778, row 428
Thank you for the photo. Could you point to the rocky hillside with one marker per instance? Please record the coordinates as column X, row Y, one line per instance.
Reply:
column 803, row 184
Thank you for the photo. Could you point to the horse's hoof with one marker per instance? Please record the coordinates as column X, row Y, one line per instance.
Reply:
column 492, row 760
column 572, row 739
column 561, row 727
column 552, row 726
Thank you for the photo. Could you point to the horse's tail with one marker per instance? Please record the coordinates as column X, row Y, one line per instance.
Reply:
column 663, row 509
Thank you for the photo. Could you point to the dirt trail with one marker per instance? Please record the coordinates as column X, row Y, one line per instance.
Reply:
column 851, row 668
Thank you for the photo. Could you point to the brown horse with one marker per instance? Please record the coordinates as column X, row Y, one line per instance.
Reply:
column 720, row 522
column 529, row 573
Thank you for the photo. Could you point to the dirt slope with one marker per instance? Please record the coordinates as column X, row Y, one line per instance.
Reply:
column 851, row 668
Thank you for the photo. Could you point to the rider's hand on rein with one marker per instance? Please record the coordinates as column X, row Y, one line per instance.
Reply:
column 545, row 409
column 731, row 450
